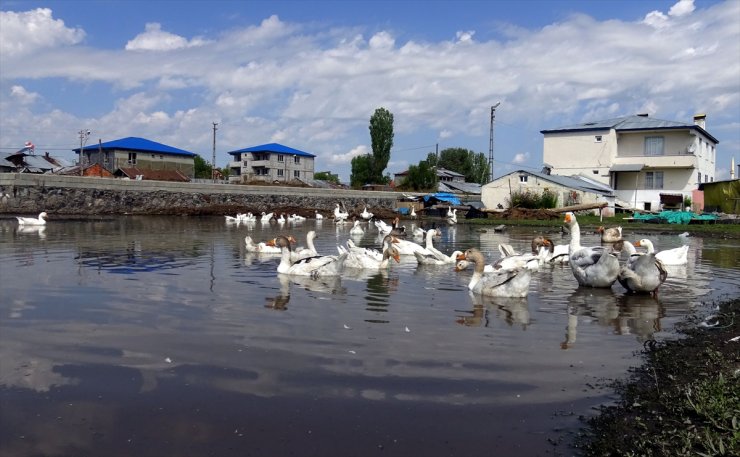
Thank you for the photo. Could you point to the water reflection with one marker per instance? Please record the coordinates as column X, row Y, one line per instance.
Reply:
column 195, row 316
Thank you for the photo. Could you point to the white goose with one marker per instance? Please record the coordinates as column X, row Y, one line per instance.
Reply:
column 499, row 283
column 434, row 255
column 301, row 252
column 315, row 267
column 356, row 230
column 412, row 215
column 297, row 218
column 33, row 220
column 263, row 247
column 319, row 216
column 591, row 266
column 452, row 218
column 366, row 214
column 339, row 214
column 549, row 252
column 611, row 234
column 361, row 258
column 266, row 217
column 641, row 273
column 675, row 256
column 406, row 247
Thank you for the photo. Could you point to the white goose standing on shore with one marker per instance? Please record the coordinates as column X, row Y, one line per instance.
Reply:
column 366, row 214
column 32, row 220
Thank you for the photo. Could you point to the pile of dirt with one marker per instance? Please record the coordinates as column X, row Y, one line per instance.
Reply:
column 526, row 213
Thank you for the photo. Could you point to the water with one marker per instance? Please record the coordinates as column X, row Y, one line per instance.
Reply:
column 162, row 336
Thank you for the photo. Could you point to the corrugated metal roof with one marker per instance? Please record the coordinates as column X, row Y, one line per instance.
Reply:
column 446, row 172
column 273, row 147
column 573, row 182
column 6, row 163
column 457, row 187
column 629, row 123
column 38, row 162
column 133, row 143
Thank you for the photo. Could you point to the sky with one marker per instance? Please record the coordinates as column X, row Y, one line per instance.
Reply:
column 310, row 74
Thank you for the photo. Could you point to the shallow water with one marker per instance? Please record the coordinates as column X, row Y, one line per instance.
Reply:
column 162, row 336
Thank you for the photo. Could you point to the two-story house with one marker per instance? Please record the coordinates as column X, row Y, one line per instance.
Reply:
column 271, row 162
column 647, row 161
column 133, row 156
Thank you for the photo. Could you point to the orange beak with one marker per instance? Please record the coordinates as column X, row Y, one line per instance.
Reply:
column 636, row 243
column 567, row 218
column 461, row 257
column 397, row 258
column 270, row 242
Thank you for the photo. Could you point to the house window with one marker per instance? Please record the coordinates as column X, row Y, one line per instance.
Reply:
column 653, row 145
column 596, row 172
column 280, row 172
column 154, row 156
column 161, row 157
column 132, row 158
column 698, row 179
column 706, row 178
column 296, row 173
column 523, row 178
column 647, row 206
column 281, row 159
column 296, row 159
column 654, row 180
column 597, row 139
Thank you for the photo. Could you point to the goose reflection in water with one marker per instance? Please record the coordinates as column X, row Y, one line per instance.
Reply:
column 39, row 230
column 513, row 311
column 628, row 314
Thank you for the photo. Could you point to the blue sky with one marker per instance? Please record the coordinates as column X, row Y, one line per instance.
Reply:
column 310, row 74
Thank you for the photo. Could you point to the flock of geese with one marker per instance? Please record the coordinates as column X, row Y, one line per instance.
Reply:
column 592, row 266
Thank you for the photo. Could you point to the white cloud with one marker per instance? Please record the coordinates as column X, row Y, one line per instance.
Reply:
column 465, row 37
column 521, row 157
column 336, row 159
column 26, row 32
column 155, row 39
column 381, row 41
column 23, row 96
column 682, row 8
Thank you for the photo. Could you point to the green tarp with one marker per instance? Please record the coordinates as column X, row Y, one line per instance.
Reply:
column 674, row 217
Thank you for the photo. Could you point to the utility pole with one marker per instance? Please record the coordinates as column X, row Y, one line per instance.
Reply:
column 490, row 142
column 213, row 164
column 84, row 135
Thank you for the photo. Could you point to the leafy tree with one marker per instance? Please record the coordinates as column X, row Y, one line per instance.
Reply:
column 481, row 169
column 381, row 140
column 202, row 168
column 473, row 166
column 326, row 176
column 361, row 171
column 421, row 177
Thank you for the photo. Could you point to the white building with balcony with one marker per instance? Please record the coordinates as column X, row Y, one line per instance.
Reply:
column 271, row 162
column 648, row 162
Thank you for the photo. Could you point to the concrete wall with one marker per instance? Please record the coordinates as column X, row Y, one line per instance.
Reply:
column 24, row 193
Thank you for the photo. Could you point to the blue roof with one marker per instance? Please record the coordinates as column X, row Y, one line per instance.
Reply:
column 629, row 123
column 273, row 147
column 137, row 144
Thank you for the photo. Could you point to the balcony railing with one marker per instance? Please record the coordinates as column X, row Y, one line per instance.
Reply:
column 664, row 161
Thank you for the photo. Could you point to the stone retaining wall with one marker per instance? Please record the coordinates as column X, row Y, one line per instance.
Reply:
column 24, row 193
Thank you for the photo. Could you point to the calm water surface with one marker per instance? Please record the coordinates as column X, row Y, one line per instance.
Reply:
column 161, row 336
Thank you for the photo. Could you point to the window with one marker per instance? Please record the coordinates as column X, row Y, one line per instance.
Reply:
column 132, row 158
column 154, row 156
column 597, row 139
column 161, row 157
column 280, row 172
column 296, row 159
column 698, row 179
column 706, row 178
column 281, row 159
column 653, row 145
column 647, row 206
column 654, row 180
column 596, row 172
column 523, row 178
column 296, row 173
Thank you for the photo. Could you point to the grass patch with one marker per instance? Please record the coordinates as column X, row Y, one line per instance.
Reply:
column 684, row 400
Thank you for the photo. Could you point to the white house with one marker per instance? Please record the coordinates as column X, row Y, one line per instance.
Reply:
column 648, row 162
column 271, row 162
column 570, row 190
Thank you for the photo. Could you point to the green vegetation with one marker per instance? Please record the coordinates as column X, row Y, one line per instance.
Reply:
column 532, row 199
column 420, row 177
column 473, row 165
column 685, row 400
column 202, row 168
column 369, row 168
column 326, row 176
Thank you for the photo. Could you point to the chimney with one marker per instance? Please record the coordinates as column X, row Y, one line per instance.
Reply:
column 701, row 120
